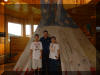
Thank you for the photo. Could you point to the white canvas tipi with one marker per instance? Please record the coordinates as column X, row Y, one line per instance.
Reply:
column 76, row 52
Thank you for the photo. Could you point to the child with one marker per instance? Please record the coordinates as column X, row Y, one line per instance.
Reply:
column 54, row 55
column 36, row 54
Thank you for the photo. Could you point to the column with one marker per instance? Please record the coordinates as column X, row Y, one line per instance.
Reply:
column 31, row 29
column 2, row 29
column 2, row 35
column 1, row 18
column 24, row 31
column 32, row 23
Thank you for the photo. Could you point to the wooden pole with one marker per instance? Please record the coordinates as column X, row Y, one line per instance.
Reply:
column 2, row 31
column 1, row 18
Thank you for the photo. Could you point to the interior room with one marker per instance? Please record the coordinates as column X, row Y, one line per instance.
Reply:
column 19, row 20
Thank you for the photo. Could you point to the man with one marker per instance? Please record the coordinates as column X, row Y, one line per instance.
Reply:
column 46, row 40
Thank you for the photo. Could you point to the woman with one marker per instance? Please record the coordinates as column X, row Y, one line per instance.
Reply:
column 54, row 55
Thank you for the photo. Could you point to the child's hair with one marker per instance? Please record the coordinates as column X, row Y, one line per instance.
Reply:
column 53, row 37
column 45, row 31
column 37, row 35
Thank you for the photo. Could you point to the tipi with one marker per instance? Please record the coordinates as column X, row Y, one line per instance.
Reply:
column 77, row 53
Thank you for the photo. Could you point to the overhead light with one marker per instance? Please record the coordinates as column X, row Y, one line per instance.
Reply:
column 6, row 0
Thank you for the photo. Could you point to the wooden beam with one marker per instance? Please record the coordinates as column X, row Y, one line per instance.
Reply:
column 1, row 18
column 2, row 34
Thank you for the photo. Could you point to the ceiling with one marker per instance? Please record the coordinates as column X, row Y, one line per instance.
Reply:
column 29, row 8
column 38, row 1
column 22, row 10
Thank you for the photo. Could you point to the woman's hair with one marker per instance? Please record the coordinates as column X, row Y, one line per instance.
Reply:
column 37, row 35
column 53, row 37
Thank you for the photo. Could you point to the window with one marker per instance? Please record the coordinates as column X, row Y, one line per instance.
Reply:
column 35, row 27
column 28, row 30
column 14, row 29
column 98, row 29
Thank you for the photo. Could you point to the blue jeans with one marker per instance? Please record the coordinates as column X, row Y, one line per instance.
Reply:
column 53, row 64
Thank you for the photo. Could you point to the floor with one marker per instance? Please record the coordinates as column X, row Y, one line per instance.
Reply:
column 6, row 67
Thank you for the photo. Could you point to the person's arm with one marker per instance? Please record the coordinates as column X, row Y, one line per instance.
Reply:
column 41, row 54
column 31, row 50
column 50, row 39
column 41, row 39
column 41, row 48
column 58, row 52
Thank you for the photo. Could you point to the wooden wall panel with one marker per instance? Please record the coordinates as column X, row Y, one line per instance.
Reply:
column 1, row 18
column 1, row 23
column 1, row 29
column 13, row 19
column 18, row 44
column 76, row 1
column 1, row 49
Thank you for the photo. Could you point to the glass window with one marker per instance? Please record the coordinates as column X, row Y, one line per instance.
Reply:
column 28, row 30
column 35, row 27
column 14, row 29
column 98, row 29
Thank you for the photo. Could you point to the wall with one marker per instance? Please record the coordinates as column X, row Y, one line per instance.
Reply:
column 4, row 19
column 17, row 46
column 9, row 44
column 74, row 3
column 1, row 18
column 1, row 29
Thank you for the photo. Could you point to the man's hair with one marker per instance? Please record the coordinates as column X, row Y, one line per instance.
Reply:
column 53, row 37
column 37, row 35
column 45, row 31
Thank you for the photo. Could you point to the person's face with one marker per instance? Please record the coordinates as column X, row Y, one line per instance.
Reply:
column 53, row 40
column 45, row 34
column 36, row 38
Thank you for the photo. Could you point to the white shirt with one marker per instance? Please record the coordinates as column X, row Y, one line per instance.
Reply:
column 54, row 47
column 36, row 47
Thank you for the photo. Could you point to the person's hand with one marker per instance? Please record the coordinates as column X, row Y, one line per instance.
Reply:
column 57, row 57
column 31, row 55
column 40, row 57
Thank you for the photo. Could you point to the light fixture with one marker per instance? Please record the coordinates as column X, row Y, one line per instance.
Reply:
column 5, row 0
